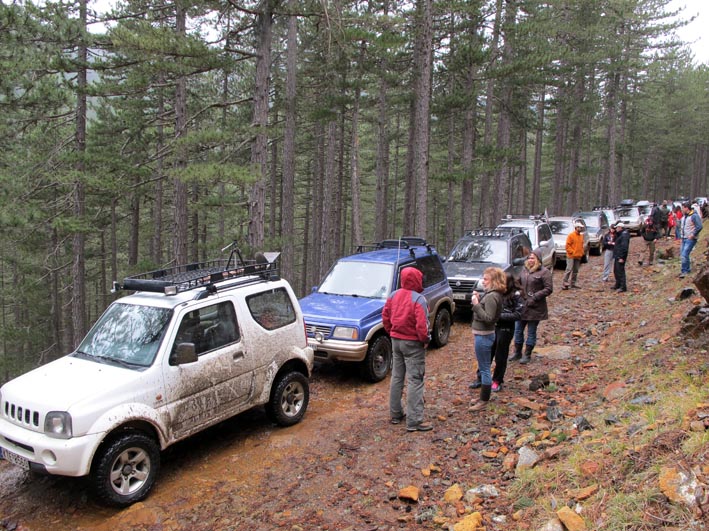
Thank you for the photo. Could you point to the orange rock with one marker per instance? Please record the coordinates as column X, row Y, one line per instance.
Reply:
column 583, row 494
column 409, row 493
column 571, row 520
column 590, row 468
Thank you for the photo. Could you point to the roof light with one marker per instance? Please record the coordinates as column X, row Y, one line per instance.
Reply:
column 170, row 290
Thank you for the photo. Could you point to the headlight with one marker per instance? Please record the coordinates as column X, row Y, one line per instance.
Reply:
column 57, row 424
column 344, row 332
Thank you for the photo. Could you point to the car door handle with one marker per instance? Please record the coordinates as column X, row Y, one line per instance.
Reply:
column 238, row 355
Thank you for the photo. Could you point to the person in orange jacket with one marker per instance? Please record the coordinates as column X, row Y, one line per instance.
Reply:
column 574, row 254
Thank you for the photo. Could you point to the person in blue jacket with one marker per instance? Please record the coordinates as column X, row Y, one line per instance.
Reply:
column 691, row 227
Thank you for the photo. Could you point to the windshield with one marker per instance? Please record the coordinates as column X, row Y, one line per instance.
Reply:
column 591, row 220
column 359, row 279
column 127, row 334
column 631, row 212
column 561, row 227
column 480, row 250
column 529, row 231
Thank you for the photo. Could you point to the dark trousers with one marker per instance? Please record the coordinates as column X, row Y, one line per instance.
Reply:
column 500, row 351
column 619, row 274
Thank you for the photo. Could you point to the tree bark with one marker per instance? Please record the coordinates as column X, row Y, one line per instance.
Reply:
column 287, row 206
column 259, row 149
column 422, row 104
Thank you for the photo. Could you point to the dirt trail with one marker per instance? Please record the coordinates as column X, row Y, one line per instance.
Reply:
column 342, row 467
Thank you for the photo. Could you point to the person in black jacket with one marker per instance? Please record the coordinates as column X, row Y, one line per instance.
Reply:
column 512, row 306
column 620, row 257
column 536, row 284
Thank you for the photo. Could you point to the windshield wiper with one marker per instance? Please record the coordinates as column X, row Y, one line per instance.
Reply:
column 108, row 359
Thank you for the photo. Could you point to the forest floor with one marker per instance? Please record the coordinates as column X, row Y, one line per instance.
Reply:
column 617, row 440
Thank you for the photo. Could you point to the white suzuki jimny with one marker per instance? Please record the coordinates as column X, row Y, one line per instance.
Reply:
column 193, row 346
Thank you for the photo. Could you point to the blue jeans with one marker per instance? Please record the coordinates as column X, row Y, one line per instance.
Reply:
column 483, row 353
column 531, row 332
column 687, row 246
column 410, row 363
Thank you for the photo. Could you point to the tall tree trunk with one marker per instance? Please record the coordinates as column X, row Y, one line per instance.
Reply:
column 156, row 242
column 381, row 199
column 329, row 244
column 287, row 207
column 468, row 148
column 259, row 149
column 180, row 235
column 614, row 191
column 78, row 301
column 422, row 104
column 485, row 215
column 535, row 205
column 354, row 167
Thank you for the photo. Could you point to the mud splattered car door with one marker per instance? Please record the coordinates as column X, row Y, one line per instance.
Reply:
column 219, row 383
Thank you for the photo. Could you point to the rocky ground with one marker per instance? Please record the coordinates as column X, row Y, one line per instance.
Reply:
column 617, row 439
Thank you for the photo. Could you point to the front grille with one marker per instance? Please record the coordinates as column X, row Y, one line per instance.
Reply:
column 462, row 285
column 313, row 329
column 21, row 415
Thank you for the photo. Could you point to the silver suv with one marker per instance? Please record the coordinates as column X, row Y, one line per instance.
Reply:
column 194, row 345
column 539, row 233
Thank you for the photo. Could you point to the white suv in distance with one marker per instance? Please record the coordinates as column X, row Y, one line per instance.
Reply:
column 538, row 232
column 195, row 345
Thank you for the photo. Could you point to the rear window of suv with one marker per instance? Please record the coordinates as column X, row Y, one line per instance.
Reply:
column 271, row 309
column 432, row 270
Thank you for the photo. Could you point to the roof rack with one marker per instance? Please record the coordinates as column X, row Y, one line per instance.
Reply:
column 405, row 242
column 180, row 278
column 529, row 217
column 497, row 232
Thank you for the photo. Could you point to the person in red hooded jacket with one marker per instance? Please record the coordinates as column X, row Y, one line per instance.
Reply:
column 405, row 318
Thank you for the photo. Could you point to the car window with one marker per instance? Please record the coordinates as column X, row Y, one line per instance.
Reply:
column 480, row 250
column 518, row 249
column 271, row 309
column 560, row 227
column 208, row 328
column 361, row 279
column 432, row 270
column 544, row 232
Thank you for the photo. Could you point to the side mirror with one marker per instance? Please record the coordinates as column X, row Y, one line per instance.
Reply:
column 314, row 289
column 184, row 353
column 518, row 261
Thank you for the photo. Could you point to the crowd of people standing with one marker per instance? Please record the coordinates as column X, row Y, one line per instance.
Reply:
column 509, row 306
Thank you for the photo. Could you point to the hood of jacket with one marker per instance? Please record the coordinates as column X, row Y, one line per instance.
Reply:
column 412, row 279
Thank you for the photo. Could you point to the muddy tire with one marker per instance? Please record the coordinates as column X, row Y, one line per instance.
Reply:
column 441, row 328
column 290, row 395
column 125, row 469
column 377, row 363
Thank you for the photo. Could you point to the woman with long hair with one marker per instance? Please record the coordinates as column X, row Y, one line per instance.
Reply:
column 486, row 311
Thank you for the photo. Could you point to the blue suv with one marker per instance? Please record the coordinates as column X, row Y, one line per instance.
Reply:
column 343, row 316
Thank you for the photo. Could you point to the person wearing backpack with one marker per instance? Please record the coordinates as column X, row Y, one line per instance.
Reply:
column 650, row 233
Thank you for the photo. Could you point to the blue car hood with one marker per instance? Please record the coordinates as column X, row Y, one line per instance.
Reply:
column 322, row 308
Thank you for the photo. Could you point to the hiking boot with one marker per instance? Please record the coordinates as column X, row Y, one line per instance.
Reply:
column 397, row 420
column 527, row 357
column 496, row 387
column 518, row 353
column 481, row 403
column 475, row 385
column 423, row 426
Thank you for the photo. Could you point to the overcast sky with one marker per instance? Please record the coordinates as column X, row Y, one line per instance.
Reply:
column 691, row 33
column 695, row 32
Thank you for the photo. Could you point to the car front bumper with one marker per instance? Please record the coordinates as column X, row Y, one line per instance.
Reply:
column 62, row 457
column 336, row 349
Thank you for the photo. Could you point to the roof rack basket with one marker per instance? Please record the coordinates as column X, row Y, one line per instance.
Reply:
column 176, row 279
